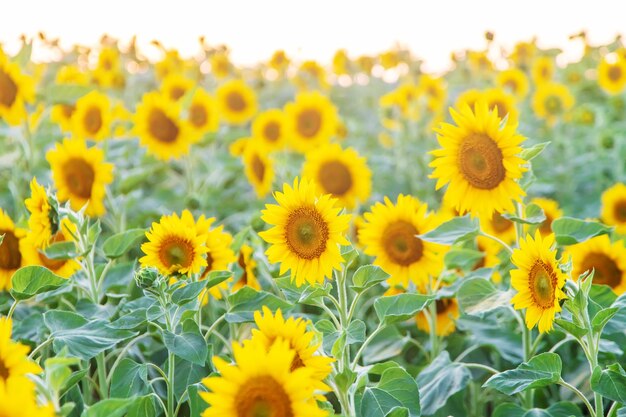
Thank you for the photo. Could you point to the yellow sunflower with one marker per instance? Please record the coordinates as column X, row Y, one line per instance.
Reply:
column 92, row 117
column 269, row 128
column 490, row 249
column 261, row 383
column 614, row 207
column 80, row 175
column 160, row 128
column 447, row 313
column 203, row 116
column 306, row 234
column 523, row 53
column 11, row 258
column 608, row 260
column 175, row 86
column 538, row 281
column 279, row 61
column 479, row 161
column 16, row 90
column 32, row 250
column 551, row 101
column 14, row 361
column 41, row 222
column 175, row 245
column 542, row 70
column 258, row 168
column 220, row 65
column 237, row 102
column 311, row 75
column 498, row 226
column 342, row 173
column 310, row 121
column 71, row 74
column 18, row 399
column 434, row 89
column 61, row 114
column 219, row 254
column 515, row 81
column 248, row 265
column 504, row 103
column 612, row 74
column 390, row 235
column 552, row 211
column 469, row 98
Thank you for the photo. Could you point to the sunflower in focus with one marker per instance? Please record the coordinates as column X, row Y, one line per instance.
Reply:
column 306, row 234
column 175, row 86
column 614, row 207
column 42, row 222
column 248, row 265
column 552, row 101
column 219, row 254
column 310, row 121
column 552, row 212
column 261, row 382
column 499, row 226
column 342, row 173
column 479, row 161
column 612, row 73
column 390, row 235
column 447, row 313
column 16, row 90
column 11, row 258
column 538, row 281
column 237, row 102
column 80, row 175
column 31, row 249
column 203, row 113
column 91, row 118
column 14, row 361
column 504, row 103
column 514, row 81
column 258, row 168
column 542, row 70
column 269, row 128
column 606, row 259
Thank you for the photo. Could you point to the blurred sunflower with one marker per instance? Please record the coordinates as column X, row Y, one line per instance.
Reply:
column 523, row 53
column 43, row 221
column 542, row 70
column 434, row 90
column 498, row 226
column 269, row 128
column 612, row 74
column 469, row 98
column 552, row 211
column 310, row 121
column 479, row 161
column 340, row 62
column 16, row 90
column 171, row 63
column 515, row 81
column 490, row 250
column 11, row 258
column 237, row 102
column 221, row 66
column 91, row 118
column 18, row 399
column 306, row 234
column 311, row 75
column 258, row 168
column 33, row 255
column 108, row 71
column 504, row 103
column 538, row 281
column 203, row 116
column 551, row 101
column 248, row 265
column 447, row 313
column 219, row 253
column 608, row 260
column 342, row 173
column 175, row 86
column 61, row 114
column 80, row 175
column 14, row 360
column 614, row 207
column 71, row 74
column 279, row 61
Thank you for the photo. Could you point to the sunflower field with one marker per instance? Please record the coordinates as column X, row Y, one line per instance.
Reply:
column 190, row 237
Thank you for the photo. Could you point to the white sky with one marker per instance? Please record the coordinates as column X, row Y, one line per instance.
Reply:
column 316, row 28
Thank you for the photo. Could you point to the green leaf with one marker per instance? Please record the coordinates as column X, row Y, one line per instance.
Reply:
column 59, row 373
column 478, row 296
column 396, row 390
column 355, row 333
column 540, row 371
column 439, row 381
column 142, row 407
column 64, row 93
column 509, row 410
column 610, row 382
column 602, row 317
column 32, row 280
column 189, row 346
column 117, row 245
column 61, row 251
column 386, row 344
column 571, row 328
column 400, row 307
column 113, row 407
column 462, row 258
column 534, row 215
column 452, row 231
column 216, row 277
column 529, row 154
column 247, row 300
column 196, row 403
column 367, row 276
column 569, row 231
column 188, row 292
column 129, row 379
column 564, row 409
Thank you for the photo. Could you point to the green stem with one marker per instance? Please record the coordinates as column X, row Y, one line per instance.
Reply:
column 102, row 376
column 527, row 344
column 12, row 310
column 364, row 345
column 170, row 385
column 579, row 395
column 480, row 366
column 504, row 245
column 40, row 347
column 213, row 327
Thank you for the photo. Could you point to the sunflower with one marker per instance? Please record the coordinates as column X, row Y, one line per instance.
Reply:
column 11, row 258
column 16, row 89
column 80, row 175
column 92, row 117
column 31, row 249
column 261, row 383
column 175, row 245
column 469, row 98
column 614, row 207
column 498, row 226
column 248, row 265
column 269, row 128
column 515, row 81
column 434, row 90
column 612, row 74
column 237, row 102
column 503, row 103
column 294, row 331
column 311, row 74
column 71, row 74
column 479, row 160
column 14, row 361
column 220, row 65
column 341, row 62
column 306, row 234
column 108, row 72
column 447, row 313
column 390, row 234
column 490, row 249
column 61, row 114
column 310, row 121
column 175, row 86
column 608, row 260
column 551, row 101
column 552, row 212
column 219, row 254
column 538, row 281
column 43, row 221
column 160, row 128
column 203, row 116
column 279, row 61
column 258, row 168
column 18, row 398
column 523, row 53
column 342, row 173
column 170, row 64
column 542, row 70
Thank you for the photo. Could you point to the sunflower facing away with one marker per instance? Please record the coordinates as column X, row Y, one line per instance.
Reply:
column 390, row 234
column 515, row 81
column 552, row 212
column 306, row 234
column 552, row 101
column 447, row 312
column 268, row 128
column 479, row 161
column 614, row 207
column 80, row 175
column 33, row 255
column 16, row 90
column 237, row 102
column 310, row 121
column 258, row 168
column 203, row 114
column 42, row 222
column 498, row 226
column 11, row 258
column 612, row 73
column 538, row 281
column 608, row 260
column 92, row 117
column 261, row 383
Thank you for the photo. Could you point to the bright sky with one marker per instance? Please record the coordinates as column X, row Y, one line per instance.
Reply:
column 316, row 28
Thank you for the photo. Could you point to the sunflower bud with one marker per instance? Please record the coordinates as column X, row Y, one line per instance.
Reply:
column 147, row 278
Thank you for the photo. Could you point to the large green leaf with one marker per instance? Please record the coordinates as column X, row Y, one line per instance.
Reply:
column 439, row 381
column 610, row 382
column 367, row 276
column 478, row 296
column 118, row 244
column 569, row 231
column 396, row 389
column 189, row 346
column 452, row 231
column 143, row 407
column 32, row 280
column 534, row 215
column 129, row 379
column 540, row 371
column 247, row 300
column 112, row 407
column 400, row 307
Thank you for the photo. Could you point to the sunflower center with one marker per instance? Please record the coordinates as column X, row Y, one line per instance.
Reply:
column 176, row 252
column 480, row 161
column 53, row 264
column 554, row 105
column 546, row 225
column 500, row 224
column 542, row 283
column 442, row 305
column 162, row 127
column 511, row 84
column 10, row 256
column 79, row 177
column 401, row 244
column 4, row 371
column 309, row 122
column 198, row 115
column 614, row 73
column 241, row 261
column 177, row 92
column 258, row 167
column 606, row 271
column 501, row 108
column 67, row 110
column 235, row 101
column 335, row 178
column 93, row 120
column 619, row 211
column 271, row 131
column 263, row 396
column 8, row 89
column 306, row 233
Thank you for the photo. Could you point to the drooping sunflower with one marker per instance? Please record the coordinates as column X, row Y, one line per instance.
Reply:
column 551, row 101
column 14, row 361
column 92, row 117
column 219, row 254
column 310, row 121
column 160, row 128
column 237, row 102
column 614, row 207
column 479, row 161
column 203, row 113
column 31, row 249
column 18, row 398
column 608, row 260
column 342, row 173
column 11, row 258
column 258, row 168
column 542, row 70
column 80, row 175
column 16, row 90
column 269, row 128
column 261, row 383
column 175, row 245
column 42, row 222
column 538, row 281
column 447, row 313
column 515, row 81
column 552, row 212
column 612, row 74
column 175, row 86
column 503, row 102
column 390, row 234
column 306, row 234
column 499, row 226
column 248, row 265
